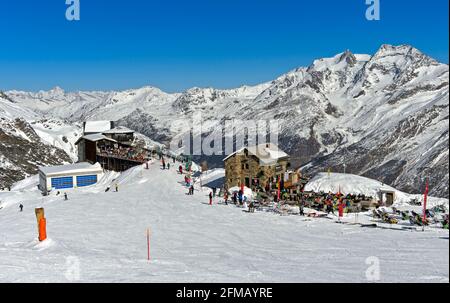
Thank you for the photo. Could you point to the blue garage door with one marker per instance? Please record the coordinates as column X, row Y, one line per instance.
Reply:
column 86, row 180
column 61, row 183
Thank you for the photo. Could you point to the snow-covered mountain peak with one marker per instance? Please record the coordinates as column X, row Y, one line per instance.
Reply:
column 384, row 113
column 401, row 55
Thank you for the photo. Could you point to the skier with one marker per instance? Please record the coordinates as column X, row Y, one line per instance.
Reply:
column 21, row 207
column 117, row 187
column 65, row 197
column 234, row 197
column 191, row 189
column 225, row 197
column 214, row 191
column 301, row 207
column 168, row 165
column 180, row 169
column 251, row 207
column 210, row 198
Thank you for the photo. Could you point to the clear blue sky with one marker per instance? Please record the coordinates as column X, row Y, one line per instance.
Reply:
column 177, row 44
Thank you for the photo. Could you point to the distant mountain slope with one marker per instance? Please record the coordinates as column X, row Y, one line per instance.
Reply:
column 22, row 151
column 384, row 115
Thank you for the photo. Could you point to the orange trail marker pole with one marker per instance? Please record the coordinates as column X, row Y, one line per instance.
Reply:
column 148, row 244
column 42, row 229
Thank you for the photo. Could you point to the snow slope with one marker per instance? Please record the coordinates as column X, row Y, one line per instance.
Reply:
column 100, row 236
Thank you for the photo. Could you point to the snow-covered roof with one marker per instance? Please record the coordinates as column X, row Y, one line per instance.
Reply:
column 71, row 169
column 119, row 130
column 346, row 184
column 95, row 138
column 97, row 126
column 268, row 153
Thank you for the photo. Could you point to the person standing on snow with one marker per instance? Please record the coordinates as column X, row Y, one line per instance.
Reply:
column 329, row 206
column 191, row 189
column 65, row 197
column 21, row 207
column 180, row 169
column 117, row 187
column 225, row 197
column 341, row 209
column 210, row 198
column 348, row 205
column 168, row 165
column 301, row 208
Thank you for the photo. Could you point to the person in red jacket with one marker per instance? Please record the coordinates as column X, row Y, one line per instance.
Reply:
column 180, row 169
column 341, row 209
column 210, row 198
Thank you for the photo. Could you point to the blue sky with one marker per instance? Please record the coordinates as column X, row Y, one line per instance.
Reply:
column 175, row 44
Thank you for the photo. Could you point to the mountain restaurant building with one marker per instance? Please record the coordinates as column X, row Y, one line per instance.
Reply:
column 113, row 149
column 256, row 166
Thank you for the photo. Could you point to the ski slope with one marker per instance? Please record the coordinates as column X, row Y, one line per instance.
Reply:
column 100, row 236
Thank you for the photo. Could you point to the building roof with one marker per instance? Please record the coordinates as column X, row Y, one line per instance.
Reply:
column 268, row 154
column 119, row 130
column 71, row 169
column 97, row 126
column 94, row 138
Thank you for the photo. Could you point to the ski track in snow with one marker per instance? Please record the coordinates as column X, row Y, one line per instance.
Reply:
column 194, row 242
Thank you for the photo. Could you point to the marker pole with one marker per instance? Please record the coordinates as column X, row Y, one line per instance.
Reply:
column 148, row 244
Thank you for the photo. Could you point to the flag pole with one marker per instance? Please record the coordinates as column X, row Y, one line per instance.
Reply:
column 424, row 215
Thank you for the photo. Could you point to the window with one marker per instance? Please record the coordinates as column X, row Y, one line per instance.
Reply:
column 61, row 183
column 86, row 180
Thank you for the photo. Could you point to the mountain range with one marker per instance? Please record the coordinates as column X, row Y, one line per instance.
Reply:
column 384, row 116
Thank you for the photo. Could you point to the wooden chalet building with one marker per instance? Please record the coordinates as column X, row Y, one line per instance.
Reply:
column 114, row 149
column 256, row 166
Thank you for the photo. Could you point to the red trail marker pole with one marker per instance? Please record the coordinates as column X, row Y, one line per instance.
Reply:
column 424, row 214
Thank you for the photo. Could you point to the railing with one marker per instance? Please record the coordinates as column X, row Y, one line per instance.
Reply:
column 140, row 159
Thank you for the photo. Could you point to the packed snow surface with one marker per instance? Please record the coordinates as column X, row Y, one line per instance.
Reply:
column 99, row 236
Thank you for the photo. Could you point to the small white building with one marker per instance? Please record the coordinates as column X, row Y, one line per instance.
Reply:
column 69, row 176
